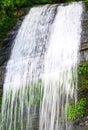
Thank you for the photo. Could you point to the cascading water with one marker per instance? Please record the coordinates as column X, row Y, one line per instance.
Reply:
column 60, row 72
column 41, row 75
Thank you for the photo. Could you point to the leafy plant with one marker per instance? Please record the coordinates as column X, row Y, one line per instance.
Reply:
column 83, row 69
column 86, row 3
column 78, row 110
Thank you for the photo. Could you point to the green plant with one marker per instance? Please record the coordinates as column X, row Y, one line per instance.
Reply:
column 78, row 110
column 7, row 8
column 83, row 69
column 83, row 78
column 86, row 3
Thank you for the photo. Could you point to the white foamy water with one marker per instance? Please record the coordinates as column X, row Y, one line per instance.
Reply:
column 41, row 74
column 60, row 70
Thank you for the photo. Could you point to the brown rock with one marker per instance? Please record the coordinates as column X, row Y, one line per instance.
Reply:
column 19, row 13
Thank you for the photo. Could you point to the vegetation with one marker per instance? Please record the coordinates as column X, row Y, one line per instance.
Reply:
column 83, row 69
column 83, row 79
column 83, row 83
column 81, row 108
column 78, row 110
column 8, row 8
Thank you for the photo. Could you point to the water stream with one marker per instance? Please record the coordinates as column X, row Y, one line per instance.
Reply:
column 41, row 74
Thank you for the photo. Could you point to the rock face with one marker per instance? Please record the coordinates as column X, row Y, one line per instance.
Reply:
column 84, row 37
column 6, row 51
column 2, row 72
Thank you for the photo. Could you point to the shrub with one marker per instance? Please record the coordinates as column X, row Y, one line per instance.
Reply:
column 78, row 110
column 83, row 69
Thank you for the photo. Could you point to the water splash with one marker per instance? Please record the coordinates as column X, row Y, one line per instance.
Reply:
column 42, row 70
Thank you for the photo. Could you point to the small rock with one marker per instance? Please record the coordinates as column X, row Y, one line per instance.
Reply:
column 81, row 124
column 19, row 13
column 86, row 123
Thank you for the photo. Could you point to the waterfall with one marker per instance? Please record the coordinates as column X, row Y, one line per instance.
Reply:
column 41, row 74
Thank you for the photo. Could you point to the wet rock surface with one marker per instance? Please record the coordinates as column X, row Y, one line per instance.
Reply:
column 84, row 37
column 5, row 51
column 77, row 127
column 8, row 43
column 81, row 124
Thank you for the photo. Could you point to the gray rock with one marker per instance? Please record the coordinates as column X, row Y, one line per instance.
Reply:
column 84, row 37
column 5, row 51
